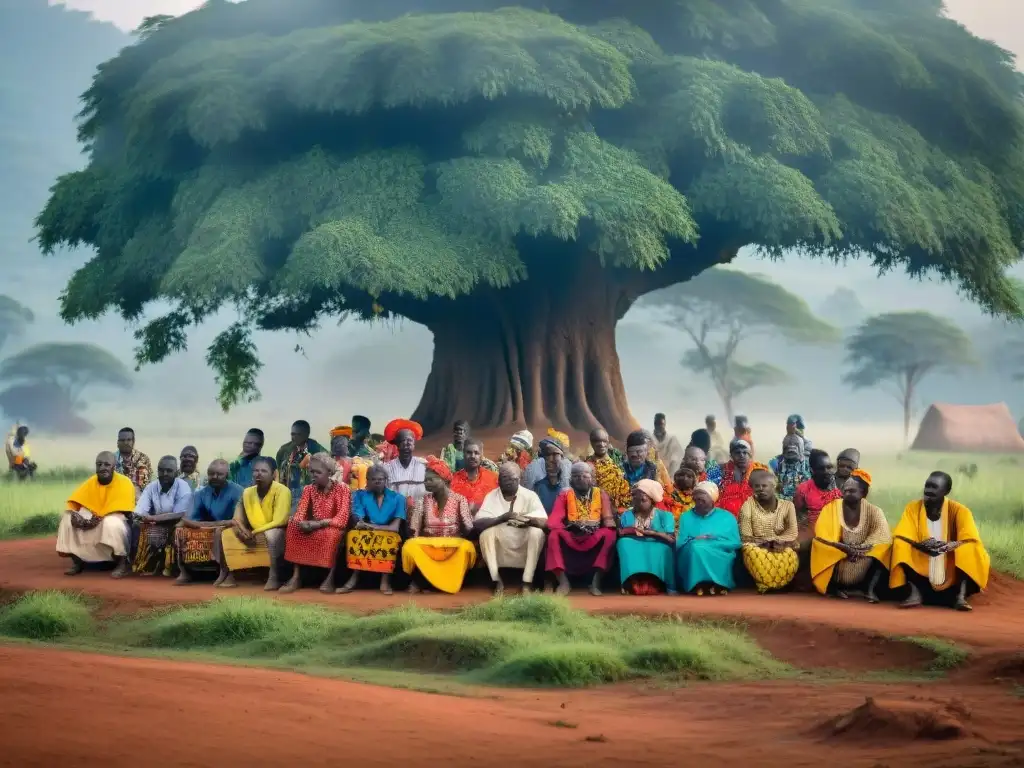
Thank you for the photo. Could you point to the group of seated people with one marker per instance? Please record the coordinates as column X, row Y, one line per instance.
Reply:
column 370, row 504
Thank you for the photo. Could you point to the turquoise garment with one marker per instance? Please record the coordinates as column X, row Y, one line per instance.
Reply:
column 364, row 507
column 707, row 560
column 648, row 555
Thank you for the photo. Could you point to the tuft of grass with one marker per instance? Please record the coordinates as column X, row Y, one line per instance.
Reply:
column 948, row 655
column 562, row 665
column 44, row 524
column 50, row 615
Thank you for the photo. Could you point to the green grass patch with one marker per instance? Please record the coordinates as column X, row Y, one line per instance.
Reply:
column 46, row 616
column 948, row 655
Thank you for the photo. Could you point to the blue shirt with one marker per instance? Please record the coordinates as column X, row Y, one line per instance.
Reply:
column 153, row 501
column 548, row 493
column 392, row 507
column 536, row 471
column 211, row 506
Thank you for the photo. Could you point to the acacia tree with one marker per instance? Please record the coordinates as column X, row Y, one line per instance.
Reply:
column 900, row 349
column 720, row 309
column 515, row 178
column 14, row 318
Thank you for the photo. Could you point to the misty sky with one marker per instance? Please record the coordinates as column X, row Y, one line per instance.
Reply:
column 183, row 381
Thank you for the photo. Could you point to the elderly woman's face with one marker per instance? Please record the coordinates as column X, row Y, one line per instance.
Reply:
column 852, row 492
column 319, row 474
column 432, row 482
column 791, row 449
column 642, row 503
column 377, row 479
column 581, row 479
column 702, row 502
column 685, row 478
column 695, row 459
column 636, row 455
column 741, row 456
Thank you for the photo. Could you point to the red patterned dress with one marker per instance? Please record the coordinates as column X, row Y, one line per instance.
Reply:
column 733, row 493
column 318, row 549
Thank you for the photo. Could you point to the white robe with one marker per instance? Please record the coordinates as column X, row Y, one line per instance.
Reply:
column 101, row 544
column 508, row 546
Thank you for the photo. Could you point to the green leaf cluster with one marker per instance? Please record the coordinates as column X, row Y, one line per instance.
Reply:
column 344, row 157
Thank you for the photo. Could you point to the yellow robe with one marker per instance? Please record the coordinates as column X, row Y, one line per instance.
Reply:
column 116, row 496
column 829, row 527
column 957, row 525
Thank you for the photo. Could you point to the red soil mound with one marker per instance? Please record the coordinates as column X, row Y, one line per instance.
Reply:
column 892, row 720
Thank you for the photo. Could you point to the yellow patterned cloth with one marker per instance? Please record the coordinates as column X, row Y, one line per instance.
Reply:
column 374, row 551
column 771, row 570
column 827, row 562
column 609, row 477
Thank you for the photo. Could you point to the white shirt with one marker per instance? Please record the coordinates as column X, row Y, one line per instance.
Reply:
column 526, row 504
column 407, row 481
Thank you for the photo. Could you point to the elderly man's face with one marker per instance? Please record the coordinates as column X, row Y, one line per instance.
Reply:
column 217, row 474
column 508, row 482
column 104, row 467
column 695, row 459
column 636, row 455
column 166, row 470
column 581, row 479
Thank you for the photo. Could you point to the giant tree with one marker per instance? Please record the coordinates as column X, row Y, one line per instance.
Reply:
column 720, row 309
column 899, row 349
column 515, row 178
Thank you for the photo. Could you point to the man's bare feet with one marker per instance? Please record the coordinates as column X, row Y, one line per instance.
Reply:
column 182, row 580
column 77, row 566
column 273, row 584
column 228, row 582
column 385, row 585
column 913, row 599
column 414, row 588
column 348, row 586
column 121, row 570
column 499, row 588
column 564, row 587
column 293, row 584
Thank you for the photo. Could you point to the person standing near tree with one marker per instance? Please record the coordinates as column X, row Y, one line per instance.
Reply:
column 19, row 455
column 741, row 431
column 133, row 464
column 293, row 460
column 669, row 448
column 452, row 454
column 188, row 469
column 718, row 449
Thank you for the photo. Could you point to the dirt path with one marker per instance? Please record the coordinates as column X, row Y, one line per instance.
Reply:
column 70, row 709
column 996, row 624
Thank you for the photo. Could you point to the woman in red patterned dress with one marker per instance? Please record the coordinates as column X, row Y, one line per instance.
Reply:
column 316, row 530
column 734, row 488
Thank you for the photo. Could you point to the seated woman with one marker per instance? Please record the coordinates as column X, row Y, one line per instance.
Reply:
column 375, row 542
column 734, row 488
column 439, row 521
column 769, row 533
column 647, row 537
column 314, row 533
column 706, row 545
column 581, row 529
column 937, row 550
column 256, row 536
column 95, row 527
column 679, row 498
column 852, row 545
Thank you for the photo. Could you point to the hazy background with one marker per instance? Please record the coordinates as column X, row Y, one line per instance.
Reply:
column 380, row 370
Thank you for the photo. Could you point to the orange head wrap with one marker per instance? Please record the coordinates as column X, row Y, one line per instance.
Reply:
column 863, row 475
column 398, row 425
column 439, row 468
column 342, row 432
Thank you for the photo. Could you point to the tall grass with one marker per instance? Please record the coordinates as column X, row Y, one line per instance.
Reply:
column 46, row 616
column 522, row 641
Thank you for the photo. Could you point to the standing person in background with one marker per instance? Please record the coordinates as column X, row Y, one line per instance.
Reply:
column 188, row 469
column 340, row 437
column 698, row 457
column 741, row 431
column 795, row 426
column 637, row 465
column 451, row 454
column 537, row 469
column 293, row 460
column 19, row 455
column 846, row 462
column 406, row 472
column 133, row 464
column 240, row 470
column 361, row 445
column 669, row 448
column 718, row 450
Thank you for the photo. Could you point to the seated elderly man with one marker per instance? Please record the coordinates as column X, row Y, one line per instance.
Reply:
column 163, row 503
column 511, row 522
column 582, row 531
column 95, row 527
column 937, row 550
column 197, row 537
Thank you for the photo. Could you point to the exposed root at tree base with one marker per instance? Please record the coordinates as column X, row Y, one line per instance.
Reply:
column 886, row 720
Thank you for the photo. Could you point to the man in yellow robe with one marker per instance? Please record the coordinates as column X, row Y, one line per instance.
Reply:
column 937, row 550
column 95, row 527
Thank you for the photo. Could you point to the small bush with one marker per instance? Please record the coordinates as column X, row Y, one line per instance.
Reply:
column 447, row 647
column 563, row 666
column 37, row 525
column 46, row 616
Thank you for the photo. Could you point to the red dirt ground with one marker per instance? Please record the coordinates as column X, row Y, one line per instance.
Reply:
column 73, row 709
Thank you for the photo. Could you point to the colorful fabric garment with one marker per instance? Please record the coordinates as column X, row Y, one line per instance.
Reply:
column 293, row 464
column 365, row 507
column 827, row 562
column 813, row 499
column 240, row 470
column 357, row 472
column 269, row 512
column 442, row 561
column 195, row 479
column 475, row 491
column 732, row 492
column 195, row 546
column 646, row 556
column 153, row 548
column 426, row 520
column 955, row 523
column 581, row 533
column 520, row 456
column 547, row 493
column 343, row 471
column 266, row 550
column 177, row 500
column 706, row 549
column 790, row 475
column 453, row 457
column 101, row 500
column 609, row 477
column 136, row 467
column 373, row 551
column 318, row 549
column 676, row 502
column 109, row 539
column 712, row 473
column 646, row 471
column 214, row 505
column 407, row 481
column 770, row 570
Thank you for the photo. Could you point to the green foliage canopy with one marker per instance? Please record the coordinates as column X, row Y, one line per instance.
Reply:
column 316, row 158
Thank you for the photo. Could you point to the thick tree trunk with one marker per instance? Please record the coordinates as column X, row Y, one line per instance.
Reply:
column 539, row 353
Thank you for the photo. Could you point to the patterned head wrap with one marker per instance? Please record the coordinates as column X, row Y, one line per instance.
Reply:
column 709, row 488
column 863, row 475
column 439, row 468
column 547, row 442
column 559, row 437
column 522, row 440
column 342, row 431
column 652, row 489
column 399, row 425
